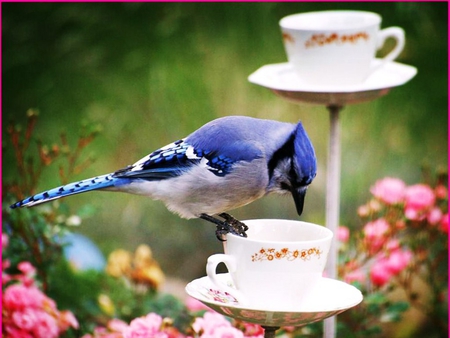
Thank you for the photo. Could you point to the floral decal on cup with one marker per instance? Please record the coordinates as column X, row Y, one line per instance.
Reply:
column 271, row 254
column 221, row 297
column 319, row 40
column 288, row 37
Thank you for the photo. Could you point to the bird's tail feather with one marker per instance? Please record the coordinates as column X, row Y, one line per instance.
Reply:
column 95, row 183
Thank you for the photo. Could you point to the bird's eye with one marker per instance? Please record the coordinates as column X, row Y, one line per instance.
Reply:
column 285, row 186
column 305, row 181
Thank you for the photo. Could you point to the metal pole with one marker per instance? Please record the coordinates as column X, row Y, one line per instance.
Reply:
column 332, row 204
column 269, row 331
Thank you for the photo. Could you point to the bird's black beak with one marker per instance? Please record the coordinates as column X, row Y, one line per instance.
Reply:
column 299, row 198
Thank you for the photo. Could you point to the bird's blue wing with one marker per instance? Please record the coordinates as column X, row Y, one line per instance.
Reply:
column 174, row 159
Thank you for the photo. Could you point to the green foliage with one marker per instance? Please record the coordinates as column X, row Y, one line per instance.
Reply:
column 36, row 235
column 78, row 292
column 81, row 292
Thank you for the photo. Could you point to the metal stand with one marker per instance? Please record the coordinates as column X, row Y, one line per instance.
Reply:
column 332, row 203
column 270, row 331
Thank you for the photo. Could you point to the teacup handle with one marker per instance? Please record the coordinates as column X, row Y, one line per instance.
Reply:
column 392, row 32
column 231, row 265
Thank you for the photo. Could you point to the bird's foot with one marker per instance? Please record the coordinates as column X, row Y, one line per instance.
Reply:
column 229, row 225
column 238, row 228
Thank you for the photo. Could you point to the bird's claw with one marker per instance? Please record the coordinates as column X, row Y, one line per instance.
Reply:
column 228, row 225
column 236, row 227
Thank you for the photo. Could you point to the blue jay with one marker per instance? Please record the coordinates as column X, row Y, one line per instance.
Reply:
column 227, row 163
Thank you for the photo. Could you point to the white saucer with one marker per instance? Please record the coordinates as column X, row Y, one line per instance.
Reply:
column 330, row 297
column 281, row 76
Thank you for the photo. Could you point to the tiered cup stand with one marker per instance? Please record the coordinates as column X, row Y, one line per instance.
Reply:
column 281, row 79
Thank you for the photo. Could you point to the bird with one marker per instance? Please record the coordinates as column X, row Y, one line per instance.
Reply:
column 227, row 163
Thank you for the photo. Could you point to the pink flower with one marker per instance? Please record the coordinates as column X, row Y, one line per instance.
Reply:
column 18, row 297
column 26, row 268
column 66, row 320
column 385, row 268
column 253, row 330
column 195, row 305
column 380, row 273
column 441, row 191
column 100, row 331
column 355, row 276
column 25, row 319
column 5, row 240
column 418, row 198
column 209, row 323
column 389, row 190
column 13, row 332
column 444, row 224
column 363, row 211
column 145, row 327
column 116, row 325
column 375, row 234
column 434, row 216
column 343, row 234
column 398, row 260
column 6, row 263
column 392, row 244
column 6, row 278
column 46, row 326
column 376, row 229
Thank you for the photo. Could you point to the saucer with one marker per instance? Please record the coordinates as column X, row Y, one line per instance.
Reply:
column 330, row 297
column 281, row 76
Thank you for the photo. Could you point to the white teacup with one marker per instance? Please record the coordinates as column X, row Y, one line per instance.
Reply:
column 276, row 267
column 337, row 47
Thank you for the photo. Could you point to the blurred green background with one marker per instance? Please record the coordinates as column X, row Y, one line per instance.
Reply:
column 151, row 73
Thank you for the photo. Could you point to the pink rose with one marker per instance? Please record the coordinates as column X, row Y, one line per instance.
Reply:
column 375, row 234
column 13, row 332
column 380, row 273
column 5, row 240
column 355, row 276
column 195, row 305
column 441, row 191
column 100, row 331
column 418, row 198
column 6, row 263
column 363, row 211
column 392, row 244
column 209, row 323
column 66, row 320
column 6, row 278
column 434, row 216
column 117, row 325
column 343, row 234
column 46, row 326
column 389, row 190
column 28, row 273
column 398, row 260
column 25, row 319
column 376, row 229
column 26, row 268
column 253, row 330
column 17, row 297
column 145, row 327
column 444, row 223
